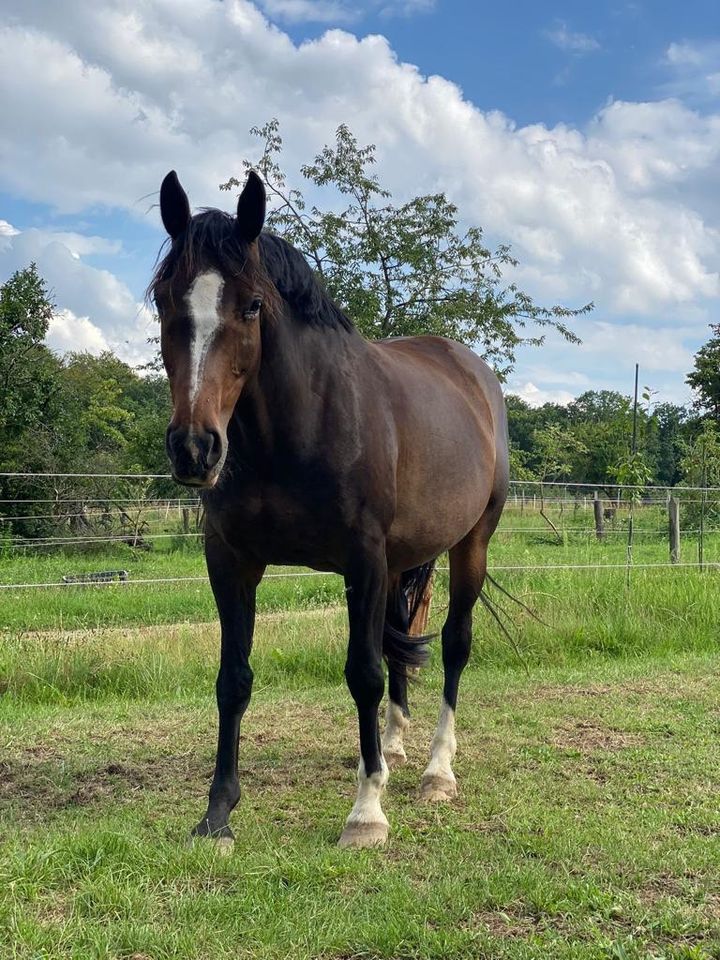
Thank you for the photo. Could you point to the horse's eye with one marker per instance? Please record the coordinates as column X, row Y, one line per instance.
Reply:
column 253, row 308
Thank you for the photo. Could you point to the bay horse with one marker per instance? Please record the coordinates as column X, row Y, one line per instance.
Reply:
column 315, row 446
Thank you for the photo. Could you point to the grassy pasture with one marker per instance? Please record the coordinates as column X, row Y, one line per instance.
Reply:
column 586, row 827
column 523, row 539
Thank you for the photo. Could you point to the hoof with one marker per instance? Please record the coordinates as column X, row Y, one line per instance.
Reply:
column 222, row 845
column 435, row 789
column 360, row 835
column 395, row 759
column 221, row 839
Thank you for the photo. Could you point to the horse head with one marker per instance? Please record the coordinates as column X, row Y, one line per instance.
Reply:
column 209, row 292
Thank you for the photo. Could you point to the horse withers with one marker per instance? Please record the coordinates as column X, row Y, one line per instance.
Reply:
column 314, row 446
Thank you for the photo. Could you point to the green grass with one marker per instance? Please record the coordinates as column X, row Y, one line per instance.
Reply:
column 586, row 827
column 86, row 606
column 523, row 539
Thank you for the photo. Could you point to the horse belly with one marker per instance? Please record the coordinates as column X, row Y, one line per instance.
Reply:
column 440, row 498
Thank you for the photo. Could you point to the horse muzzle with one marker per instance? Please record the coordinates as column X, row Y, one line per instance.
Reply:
column 196, row 455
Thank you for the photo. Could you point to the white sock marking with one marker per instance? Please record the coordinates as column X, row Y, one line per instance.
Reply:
column 367, row 807
column 396, row 723
column 443, row 746
column 203, row 300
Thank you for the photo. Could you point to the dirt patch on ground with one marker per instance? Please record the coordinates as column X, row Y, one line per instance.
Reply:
column 292, row 745
column 586, row 736
column 42, row 786
column 512, row 922
column 663, row 887
column 669, row 684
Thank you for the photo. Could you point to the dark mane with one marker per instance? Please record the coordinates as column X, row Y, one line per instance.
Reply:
column 298, row 285
column 211, row 240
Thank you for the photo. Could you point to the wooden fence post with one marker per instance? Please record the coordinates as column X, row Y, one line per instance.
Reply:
column 598, row 509
column 674, row 521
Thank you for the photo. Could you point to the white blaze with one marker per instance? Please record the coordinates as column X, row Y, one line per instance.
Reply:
column 203, row 300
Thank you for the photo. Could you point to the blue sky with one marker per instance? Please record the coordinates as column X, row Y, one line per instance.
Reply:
column 586, row 135
column 554, row 62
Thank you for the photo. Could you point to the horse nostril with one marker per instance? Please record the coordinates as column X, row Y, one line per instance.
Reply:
column 214, row 448
column 174, row 439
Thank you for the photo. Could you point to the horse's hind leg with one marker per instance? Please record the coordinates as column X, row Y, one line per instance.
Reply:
column 397, row 719
column 468, row 565
column 397, row 715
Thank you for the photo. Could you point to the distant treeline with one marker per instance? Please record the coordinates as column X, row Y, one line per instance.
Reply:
column 589, row 440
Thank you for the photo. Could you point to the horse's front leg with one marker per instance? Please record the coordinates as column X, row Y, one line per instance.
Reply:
column 366, row 585
column 234, row 583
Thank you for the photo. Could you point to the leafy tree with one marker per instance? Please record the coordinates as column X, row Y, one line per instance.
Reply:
column 701, row 461
column 602, row 421
column 525, row 422
column 704, row 378
column 406, row 269
column 519, row 469
column 556, row 448
column 94, row 389
column 27, row 367
column 667, row 430
column 145, row 449
column 701, row 468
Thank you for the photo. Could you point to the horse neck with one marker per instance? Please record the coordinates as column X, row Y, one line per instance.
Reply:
column 301, row 367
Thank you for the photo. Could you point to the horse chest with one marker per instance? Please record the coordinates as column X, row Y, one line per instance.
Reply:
column 281, row 527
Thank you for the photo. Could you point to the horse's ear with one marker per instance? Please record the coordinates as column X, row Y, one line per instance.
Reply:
column 174, row 205
column 251, row 208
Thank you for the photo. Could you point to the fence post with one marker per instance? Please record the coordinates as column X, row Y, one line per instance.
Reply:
column 674, row 521
column 598, row 508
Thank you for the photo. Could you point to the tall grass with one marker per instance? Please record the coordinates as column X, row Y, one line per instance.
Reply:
column 589, row 617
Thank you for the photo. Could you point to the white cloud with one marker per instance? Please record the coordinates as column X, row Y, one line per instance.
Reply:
column 685, row 54
column 96, row 311
column 7, row 229
column 695, row 68
column 406, row 8
column 557, row 378
column 82, row 245
column 571, row 41
column 77, row 334
column 536, row 396
column 127, row 102
column 341, row 11
column 654, row 349
column 587, row 210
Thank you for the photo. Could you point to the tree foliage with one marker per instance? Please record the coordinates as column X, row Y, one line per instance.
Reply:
column 589, row 441
column 26, row 366
column 704, row 378
column 73, row 414
column 401, row 269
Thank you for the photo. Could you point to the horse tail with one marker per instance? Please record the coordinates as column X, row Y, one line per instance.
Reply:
column 401, row 650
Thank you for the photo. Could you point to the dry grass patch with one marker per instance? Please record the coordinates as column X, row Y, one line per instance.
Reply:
column 588, row 736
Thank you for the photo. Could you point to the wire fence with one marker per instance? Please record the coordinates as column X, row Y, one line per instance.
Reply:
column 94, row 517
